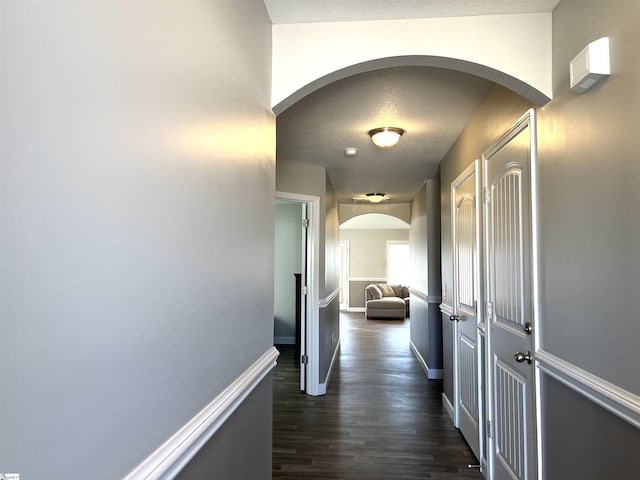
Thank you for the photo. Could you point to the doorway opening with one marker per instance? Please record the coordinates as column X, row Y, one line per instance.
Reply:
column 296, row 281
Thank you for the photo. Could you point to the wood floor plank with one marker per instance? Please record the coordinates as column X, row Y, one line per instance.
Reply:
column 380, row 419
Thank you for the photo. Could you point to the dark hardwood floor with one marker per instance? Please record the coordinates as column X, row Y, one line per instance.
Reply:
column 380, row 419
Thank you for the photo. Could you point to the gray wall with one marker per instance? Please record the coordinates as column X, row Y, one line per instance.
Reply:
column 589, row 174
column 287, row 262
column 426, row 328
column 589, row 238
column 332, row 239
column 127, row 132
column 582, row 440
column 330, row 315
column 301, row 178
column 236, row 452
column 305, row 179
column 589, row 235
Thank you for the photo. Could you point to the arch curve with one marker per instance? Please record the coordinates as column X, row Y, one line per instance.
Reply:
column 518, row 86
column 512, row 50
column 400, row 211
column 375, row 221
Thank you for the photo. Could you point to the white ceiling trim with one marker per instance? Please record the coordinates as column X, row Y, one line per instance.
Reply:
column 310, row 11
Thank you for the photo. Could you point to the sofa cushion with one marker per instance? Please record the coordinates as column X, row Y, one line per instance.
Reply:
column 387, row 290
column 375, row 292
column 398, row 291
column 386, row 302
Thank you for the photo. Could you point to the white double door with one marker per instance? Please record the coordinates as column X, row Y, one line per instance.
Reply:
column 466, row 297
column 494, row 300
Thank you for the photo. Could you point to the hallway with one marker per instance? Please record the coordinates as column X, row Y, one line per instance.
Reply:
column 381, row 417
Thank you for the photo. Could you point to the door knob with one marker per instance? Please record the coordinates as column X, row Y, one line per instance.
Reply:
column 522, row 357
column 454, row 318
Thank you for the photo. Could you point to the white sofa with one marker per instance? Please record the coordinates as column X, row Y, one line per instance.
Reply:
column 388, row 302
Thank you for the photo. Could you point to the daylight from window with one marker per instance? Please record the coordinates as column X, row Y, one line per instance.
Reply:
column 398, row 263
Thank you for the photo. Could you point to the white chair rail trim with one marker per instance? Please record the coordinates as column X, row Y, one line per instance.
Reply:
column 446, row 309
column 171, row 457
column 419, row 293
column 325, row 302
column 613, row 398
column 368, row 279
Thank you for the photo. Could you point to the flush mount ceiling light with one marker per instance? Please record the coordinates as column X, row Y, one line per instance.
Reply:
column 386, row 137
column 376, row 197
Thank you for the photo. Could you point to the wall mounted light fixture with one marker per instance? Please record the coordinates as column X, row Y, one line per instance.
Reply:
column 590, row 67
column 386, row 137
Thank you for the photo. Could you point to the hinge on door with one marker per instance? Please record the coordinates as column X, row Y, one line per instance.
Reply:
column 488, row 311
column 304, row 359
column 487, row 195
column 305, row 223
column 488, row 428
column 305, row 290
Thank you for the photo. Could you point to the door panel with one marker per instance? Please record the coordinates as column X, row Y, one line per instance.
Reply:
column 465, row 294
column 509, row 294
column 511, row 392
column 468, row 378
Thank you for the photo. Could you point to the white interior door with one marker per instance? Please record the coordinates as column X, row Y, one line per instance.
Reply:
column 465, row 296
column 507, row 168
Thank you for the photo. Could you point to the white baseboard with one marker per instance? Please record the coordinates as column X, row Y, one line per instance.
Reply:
column 448, row 406
column 284, row 340
column 171, row 457
column 432, row 373
column 357, row 309
column 323, row 386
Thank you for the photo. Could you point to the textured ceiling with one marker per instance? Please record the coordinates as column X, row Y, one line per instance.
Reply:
column 306, row 11
column 433, row 105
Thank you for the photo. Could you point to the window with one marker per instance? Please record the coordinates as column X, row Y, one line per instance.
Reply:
column 398, row 263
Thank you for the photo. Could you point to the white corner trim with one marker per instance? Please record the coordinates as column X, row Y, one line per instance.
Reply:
column 325, row 302
column 446, row 309
column 171, row 457
column 620, row 402
column 448, row 406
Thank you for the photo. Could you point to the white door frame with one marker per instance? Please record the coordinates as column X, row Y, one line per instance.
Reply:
column 472, row 169
column 528, row 120
column 310, row 330
column 345, row 245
